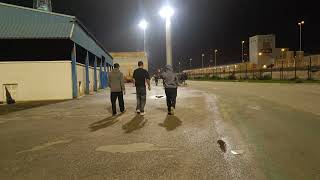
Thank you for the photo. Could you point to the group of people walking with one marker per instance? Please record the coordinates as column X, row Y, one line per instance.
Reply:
column 141, row 80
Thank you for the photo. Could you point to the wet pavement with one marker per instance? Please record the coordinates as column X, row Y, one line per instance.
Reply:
column 219, row 131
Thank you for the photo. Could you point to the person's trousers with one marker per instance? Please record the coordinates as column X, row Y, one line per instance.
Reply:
column 141, row 98
column 171, row 94
column 114, row 97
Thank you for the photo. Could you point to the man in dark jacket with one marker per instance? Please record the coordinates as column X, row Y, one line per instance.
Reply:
column 117, row 88
column 140, row 78
column 170, row 82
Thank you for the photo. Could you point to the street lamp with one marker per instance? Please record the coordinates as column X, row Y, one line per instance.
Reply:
column 242, row 43
column 215, row 57
column 300, row 26
column 202, row 60
column 179, row 67
column 167, row 12
column 260, row 53
column 144, row 25
column 282, row 53
column 190, row 63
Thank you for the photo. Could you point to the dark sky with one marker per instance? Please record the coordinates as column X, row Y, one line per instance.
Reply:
column 197, row 26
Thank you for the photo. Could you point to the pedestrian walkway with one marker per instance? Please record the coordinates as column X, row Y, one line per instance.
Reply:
column 79, row 139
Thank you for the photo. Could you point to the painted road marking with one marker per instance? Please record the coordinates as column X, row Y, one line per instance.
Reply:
column 44, row 146
column 131, row 148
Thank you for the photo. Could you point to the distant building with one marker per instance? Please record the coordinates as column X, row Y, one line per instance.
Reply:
column 48, row 56
column 129, row 62
column 262, row 49
column 44, row 5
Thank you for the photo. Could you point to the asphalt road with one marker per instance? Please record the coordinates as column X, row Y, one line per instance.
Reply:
column 274, row 128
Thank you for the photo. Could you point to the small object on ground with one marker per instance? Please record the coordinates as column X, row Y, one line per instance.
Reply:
column 237, row 152
column 223, row 145
column 143, row 113
column 159, row 97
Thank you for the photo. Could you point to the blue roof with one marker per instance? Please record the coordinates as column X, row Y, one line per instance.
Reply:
column 18, row 22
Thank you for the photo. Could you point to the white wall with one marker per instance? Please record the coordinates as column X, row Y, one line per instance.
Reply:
column 81, row 77
column 98, row 77
column 47, row 80
column 91, row 79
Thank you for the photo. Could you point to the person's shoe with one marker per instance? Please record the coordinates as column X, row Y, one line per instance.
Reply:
column 142, row 113
column 113, row 115
column 172, row 111
column 138, row 111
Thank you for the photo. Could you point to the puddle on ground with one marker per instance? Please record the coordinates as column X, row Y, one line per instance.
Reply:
column 44, row 146
column 223, row 145
column 131, row 148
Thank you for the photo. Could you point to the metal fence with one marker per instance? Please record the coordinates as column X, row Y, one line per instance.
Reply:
column 282, row 69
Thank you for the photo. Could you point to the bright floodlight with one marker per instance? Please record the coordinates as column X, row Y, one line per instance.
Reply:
column 143, row 24
column 166, row 12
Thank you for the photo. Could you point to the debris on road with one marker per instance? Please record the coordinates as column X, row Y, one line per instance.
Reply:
column 237, row 152
column 223, row 145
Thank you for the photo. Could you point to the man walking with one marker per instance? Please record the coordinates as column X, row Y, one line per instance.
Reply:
column 116, row 84
column 171, row 82
column 140, row 77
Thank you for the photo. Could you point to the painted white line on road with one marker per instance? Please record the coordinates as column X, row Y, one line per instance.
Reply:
column 131, row 148
column 44, row 146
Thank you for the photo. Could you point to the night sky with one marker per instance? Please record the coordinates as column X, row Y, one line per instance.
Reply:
column 197, row 26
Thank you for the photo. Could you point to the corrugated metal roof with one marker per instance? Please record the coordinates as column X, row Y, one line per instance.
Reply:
column 18, row 22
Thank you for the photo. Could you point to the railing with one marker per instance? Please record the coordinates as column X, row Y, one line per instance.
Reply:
column 283, row 69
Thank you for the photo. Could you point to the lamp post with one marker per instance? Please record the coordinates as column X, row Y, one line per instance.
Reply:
column 179, row 67
column 300, row 27
column 242, row 54
column 190, row 63
column 144, row 25
column 202, row 60
column 282, row 53
column 167, row 12
column 215, row 57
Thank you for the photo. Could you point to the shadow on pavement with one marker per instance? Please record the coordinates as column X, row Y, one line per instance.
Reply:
column 136, row 123
column 19, row 106
column 171, row 123
column 103, row 123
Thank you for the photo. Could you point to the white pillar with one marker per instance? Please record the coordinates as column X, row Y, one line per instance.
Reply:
column 168, row 42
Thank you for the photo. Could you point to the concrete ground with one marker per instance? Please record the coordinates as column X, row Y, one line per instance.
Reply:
column 271, row 132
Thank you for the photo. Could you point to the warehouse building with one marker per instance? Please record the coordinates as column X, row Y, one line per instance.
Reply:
column 129, row 62
column 48, row 56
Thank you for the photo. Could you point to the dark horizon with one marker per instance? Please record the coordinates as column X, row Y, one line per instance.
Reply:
column 198, row 26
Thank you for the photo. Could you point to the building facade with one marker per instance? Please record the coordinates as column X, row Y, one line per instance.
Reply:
column 48, row 56
column 129, row 62
column 262, row 49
